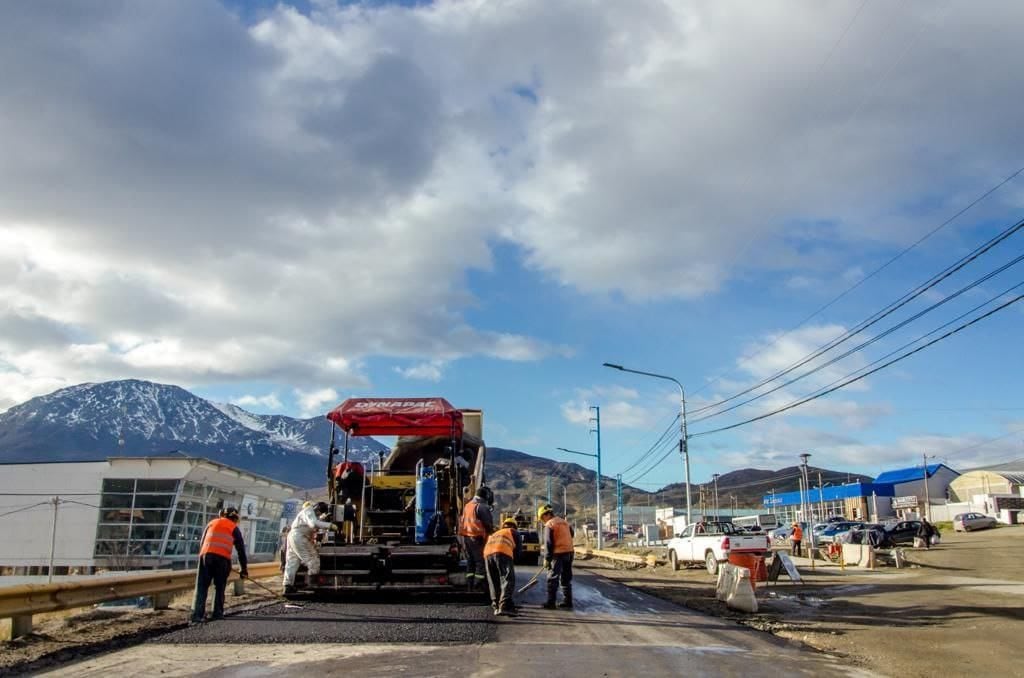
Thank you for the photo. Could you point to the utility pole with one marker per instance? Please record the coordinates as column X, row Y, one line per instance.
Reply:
column 810, row 523
column 773, row 500
column 821, row 497
column 53, row 539
column 618, row 498
column 715, row 478
column 565, row 501
column 549, row 489
column 684, row 437
column 927, row 498
column 597, row 429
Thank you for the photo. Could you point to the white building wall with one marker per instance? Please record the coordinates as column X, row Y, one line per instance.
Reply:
column 25, row 534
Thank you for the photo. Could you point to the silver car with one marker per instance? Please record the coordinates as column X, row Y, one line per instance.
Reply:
column 965, row 522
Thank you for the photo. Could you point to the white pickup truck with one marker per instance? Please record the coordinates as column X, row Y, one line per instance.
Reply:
column 711, row 544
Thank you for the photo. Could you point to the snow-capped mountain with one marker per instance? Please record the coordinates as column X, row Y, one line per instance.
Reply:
column 140, row 418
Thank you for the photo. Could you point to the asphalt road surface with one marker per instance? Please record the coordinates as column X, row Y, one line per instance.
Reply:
column 614, row 631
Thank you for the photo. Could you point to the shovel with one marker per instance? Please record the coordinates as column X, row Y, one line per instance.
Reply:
column 287, row 604
column 533, row 582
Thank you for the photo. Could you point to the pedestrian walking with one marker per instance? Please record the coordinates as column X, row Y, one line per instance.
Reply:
column 475, row 525
column 924, row 534
column 797, row 538
column 502, row 548
column 558, row 557
column 221, row 535
column 302, row 542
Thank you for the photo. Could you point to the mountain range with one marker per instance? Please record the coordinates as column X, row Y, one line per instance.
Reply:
column 140, row 418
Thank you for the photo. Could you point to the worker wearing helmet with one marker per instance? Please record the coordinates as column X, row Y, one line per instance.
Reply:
column 500, row 553
column 302, row 542
column 475, row 525
column 221, row 535
column 558, row 556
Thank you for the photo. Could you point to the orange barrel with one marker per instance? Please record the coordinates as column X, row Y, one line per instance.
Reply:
column 754, row 563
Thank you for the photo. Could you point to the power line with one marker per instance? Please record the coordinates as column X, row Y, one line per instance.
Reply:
column 866, row 374
column 883, row 313
column 656, row 444
column 863, row 280
column 988, row 276
column 24, row 508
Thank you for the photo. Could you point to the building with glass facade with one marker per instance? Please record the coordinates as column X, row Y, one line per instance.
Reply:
column 852, row 501
column 129, row 513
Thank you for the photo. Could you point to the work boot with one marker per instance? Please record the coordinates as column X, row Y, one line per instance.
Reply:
column 549, row 605
column 566, row 604
column 290, row 589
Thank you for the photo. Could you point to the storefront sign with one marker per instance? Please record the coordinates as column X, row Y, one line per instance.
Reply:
column 904, row 502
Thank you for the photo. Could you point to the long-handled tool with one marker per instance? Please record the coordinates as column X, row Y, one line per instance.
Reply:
column 533, row 582
column 287, row 603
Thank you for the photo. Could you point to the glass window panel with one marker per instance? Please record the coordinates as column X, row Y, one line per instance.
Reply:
column 116, row 500
column 115, row 515
column 156, row 485
column 112, row 532
column 154, row 500
column 110, row 548
column 119, row 485
column 151, row 516
column 148, row 532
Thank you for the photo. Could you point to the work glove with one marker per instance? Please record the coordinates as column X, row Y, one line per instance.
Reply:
column 244, row 574
column 333, row 528
column 547, row 563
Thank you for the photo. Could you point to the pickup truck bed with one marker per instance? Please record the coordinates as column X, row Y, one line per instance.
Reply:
column 711, row 544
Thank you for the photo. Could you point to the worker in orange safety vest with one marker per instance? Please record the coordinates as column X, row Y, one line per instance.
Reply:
column 221, row 535
column 797, row 538
column 475, row 525
column 558, row 557
column 500, row 553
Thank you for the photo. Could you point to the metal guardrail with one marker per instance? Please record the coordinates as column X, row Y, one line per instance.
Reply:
column 20, row 602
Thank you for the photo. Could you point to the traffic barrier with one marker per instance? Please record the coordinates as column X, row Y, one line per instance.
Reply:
column 753, row 563
column 19, row 603
column 735, row 589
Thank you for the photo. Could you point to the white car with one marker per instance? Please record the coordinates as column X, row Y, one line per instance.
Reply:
column 965, row 522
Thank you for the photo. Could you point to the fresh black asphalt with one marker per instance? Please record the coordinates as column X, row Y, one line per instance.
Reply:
column 388, row 617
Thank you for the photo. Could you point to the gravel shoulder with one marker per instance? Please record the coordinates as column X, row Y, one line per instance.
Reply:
column 62, row 637
column 958, row 610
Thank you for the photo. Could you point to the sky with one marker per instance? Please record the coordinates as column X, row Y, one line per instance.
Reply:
column 285, row 205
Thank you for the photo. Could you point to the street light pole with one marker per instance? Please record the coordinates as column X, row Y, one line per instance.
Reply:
column 807, row 488
column 600, row 535
column 684, row 449
column 715, row 477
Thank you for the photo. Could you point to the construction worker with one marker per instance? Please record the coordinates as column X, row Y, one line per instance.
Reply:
column 502, row 549
column 558, row 556
column 475, row 525
column 797, row 538
column 302, row 542
column 221, row 535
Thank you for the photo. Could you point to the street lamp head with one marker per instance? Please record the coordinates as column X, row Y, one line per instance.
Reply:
column 804, row 457
column 612, row 365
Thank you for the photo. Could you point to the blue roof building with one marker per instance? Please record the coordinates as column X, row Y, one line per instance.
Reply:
column 854, row 501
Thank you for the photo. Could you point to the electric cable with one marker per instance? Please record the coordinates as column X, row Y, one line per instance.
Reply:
column 847, row 382
column 988, row 276
column 883, row 313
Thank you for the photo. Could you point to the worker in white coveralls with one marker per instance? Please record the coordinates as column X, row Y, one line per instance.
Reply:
column 302, row 542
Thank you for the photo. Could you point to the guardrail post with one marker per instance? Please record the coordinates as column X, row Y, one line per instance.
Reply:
column 239, row 589
column 162, row 601
column 20, row 626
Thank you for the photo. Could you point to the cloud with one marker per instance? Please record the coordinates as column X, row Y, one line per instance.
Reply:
column 430, row 371
column 618, row 408
column 269, row 402
column 268, row 201
column 316, row 402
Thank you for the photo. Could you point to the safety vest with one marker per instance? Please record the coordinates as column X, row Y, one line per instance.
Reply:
column 561, row 534
column 471, row 525
column 219, row 537
column 503, row 542
column 798, row 534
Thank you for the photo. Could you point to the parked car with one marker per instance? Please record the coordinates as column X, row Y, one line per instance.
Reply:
column 965, row 522
column 903, row 532
column 832, row 529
